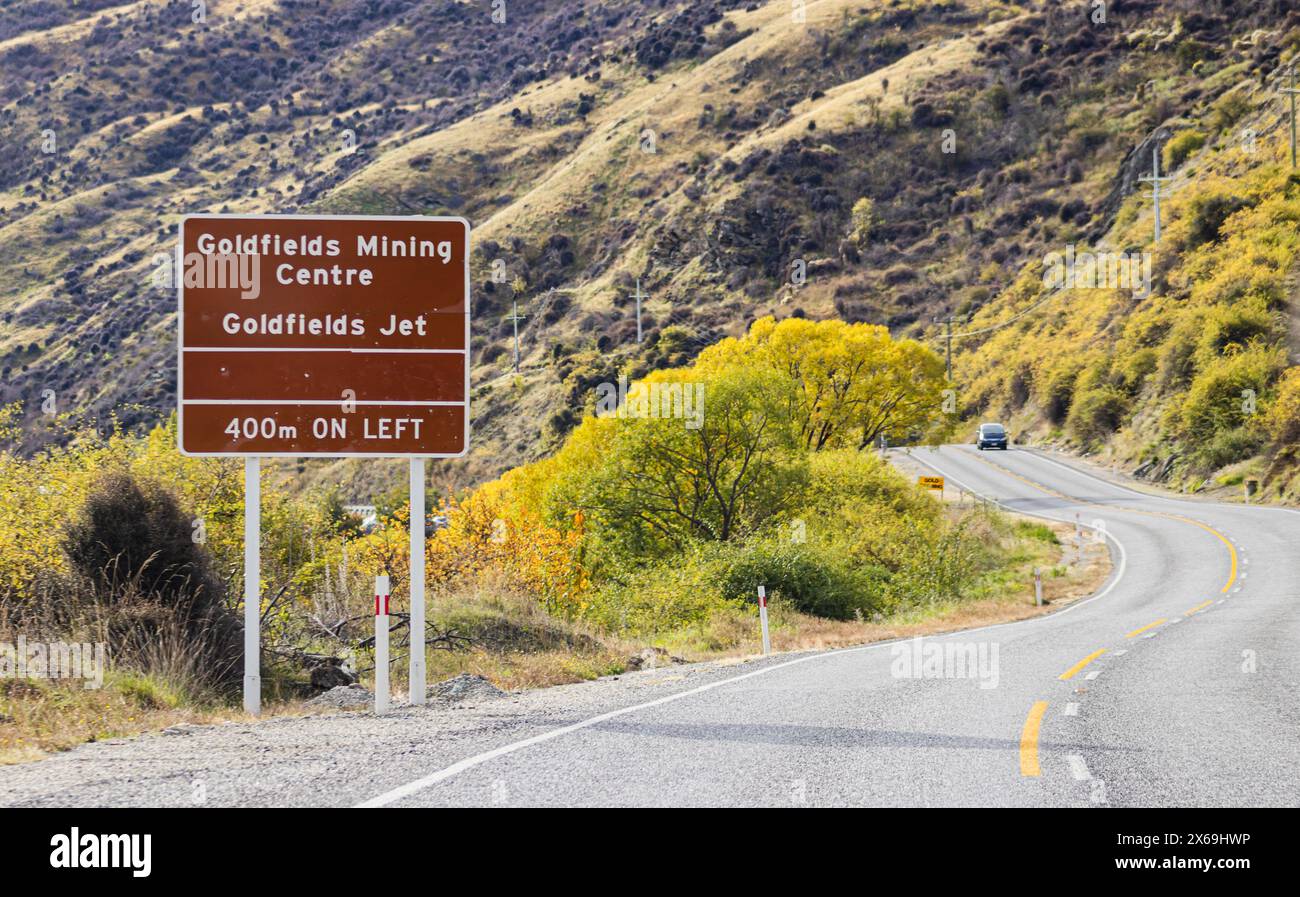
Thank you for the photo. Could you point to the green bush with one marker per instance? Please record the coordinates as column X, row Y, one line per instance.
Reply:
column 711, row 577
column 1208, row 215
column 137, row 572
column 1229, row 109
column 1228, row 447
column 1215, row 402
column 1058, row 394
column 1097, row 413
column 1180, row 146
column 814, row 581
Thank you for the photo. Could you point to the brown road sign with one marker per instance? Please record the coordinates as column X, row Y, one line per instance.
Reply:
column 328, row 336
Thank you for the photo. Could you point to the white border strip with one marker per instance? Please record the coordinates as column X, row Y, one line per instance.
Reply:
column 351, row 351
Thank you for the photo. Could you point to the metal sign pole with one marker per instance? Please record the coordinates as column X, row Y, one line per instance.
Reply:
column 762, row 618
column 417, row 581
column 252, row 586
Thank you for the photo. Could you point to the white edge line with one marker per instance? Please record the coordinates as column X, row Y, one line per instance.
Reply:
column 420, row 784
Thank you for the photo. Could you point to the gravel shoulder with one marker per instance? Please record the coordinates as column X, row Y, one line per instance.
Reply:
column 336, row 759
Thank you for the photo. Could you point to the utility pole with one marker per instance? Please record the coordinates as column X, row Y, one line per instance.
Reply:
column 639, row 297
column 516, row 317
column 1156, row 189
column 1291, row 91
column 947, row 322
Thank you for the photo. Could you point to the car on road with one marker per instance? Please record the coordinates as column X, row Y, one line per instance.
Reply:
column 991, row 436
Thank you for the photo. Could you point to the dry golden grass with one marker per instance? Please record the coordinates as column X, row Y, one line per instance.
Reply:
column 38, row 718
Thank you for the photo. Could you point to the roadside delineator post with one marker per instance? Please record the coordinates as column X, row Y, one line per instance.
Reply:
column 762, row 619
column 1038, row 587
column 382, row 690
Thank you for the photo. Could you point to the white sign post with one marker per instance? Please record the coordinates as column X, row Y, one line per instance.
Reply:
column 1038, row 587
column 417, row 581
column 762, row 619
column 382, row 690
column 252, row 586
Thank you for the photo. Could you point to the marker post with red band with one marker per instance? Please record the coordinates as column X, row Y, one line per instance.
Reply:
column 382, row 691
column 762, row 618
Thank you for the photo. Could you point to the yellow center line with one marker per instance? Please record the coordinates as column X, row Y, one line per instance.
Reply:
column 1029, row 740
column 1232, row 550
column 1072, row 671
column 1137, row 632
column 1200, row 606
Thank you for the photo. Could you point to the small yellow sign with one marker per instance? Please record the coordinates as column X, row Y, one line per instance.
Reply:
column 930, row 482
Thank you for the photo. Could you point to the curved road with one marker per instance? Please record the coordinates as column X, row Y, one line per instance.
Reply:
column 1175, row 686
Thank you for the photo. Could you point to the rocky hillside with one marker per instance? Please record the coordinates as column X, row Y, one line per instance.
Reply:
column 877, row 160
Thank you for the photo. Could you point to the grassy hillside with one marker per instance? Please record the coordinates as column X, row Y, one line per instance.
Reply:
column 1191, row 383
column 715, row 152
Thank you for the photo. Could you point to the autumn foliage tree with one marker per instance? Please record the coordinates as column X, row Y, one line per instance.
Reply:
column 847, row 383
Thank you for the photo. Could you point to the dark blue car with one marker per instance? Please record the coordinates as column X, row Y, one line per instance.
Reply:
column 991, row 436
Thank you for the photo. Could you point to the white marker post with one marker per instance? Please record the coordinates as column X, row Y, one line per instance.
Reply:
column 382, row 691
column 1038, row 587
column 252, row 586
column 762, row 618
column 417, row 581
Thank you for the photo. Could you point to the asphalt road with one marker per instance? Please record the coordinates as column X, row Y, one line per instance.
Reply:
column 1174, row 686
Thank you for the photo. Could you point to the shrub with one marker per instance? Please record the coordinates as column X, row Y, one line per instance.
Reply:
column 1229, row 109
column 711, row 577
column 1096, row 413
column 1283, row 418
column 1058, row 394
column 1180, row 146
column 1219, row 398
column 1228, row 329
column 1227, row 447
column 862, row 221
column 1208, row 216
column 814, row 580
column 134, row 561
